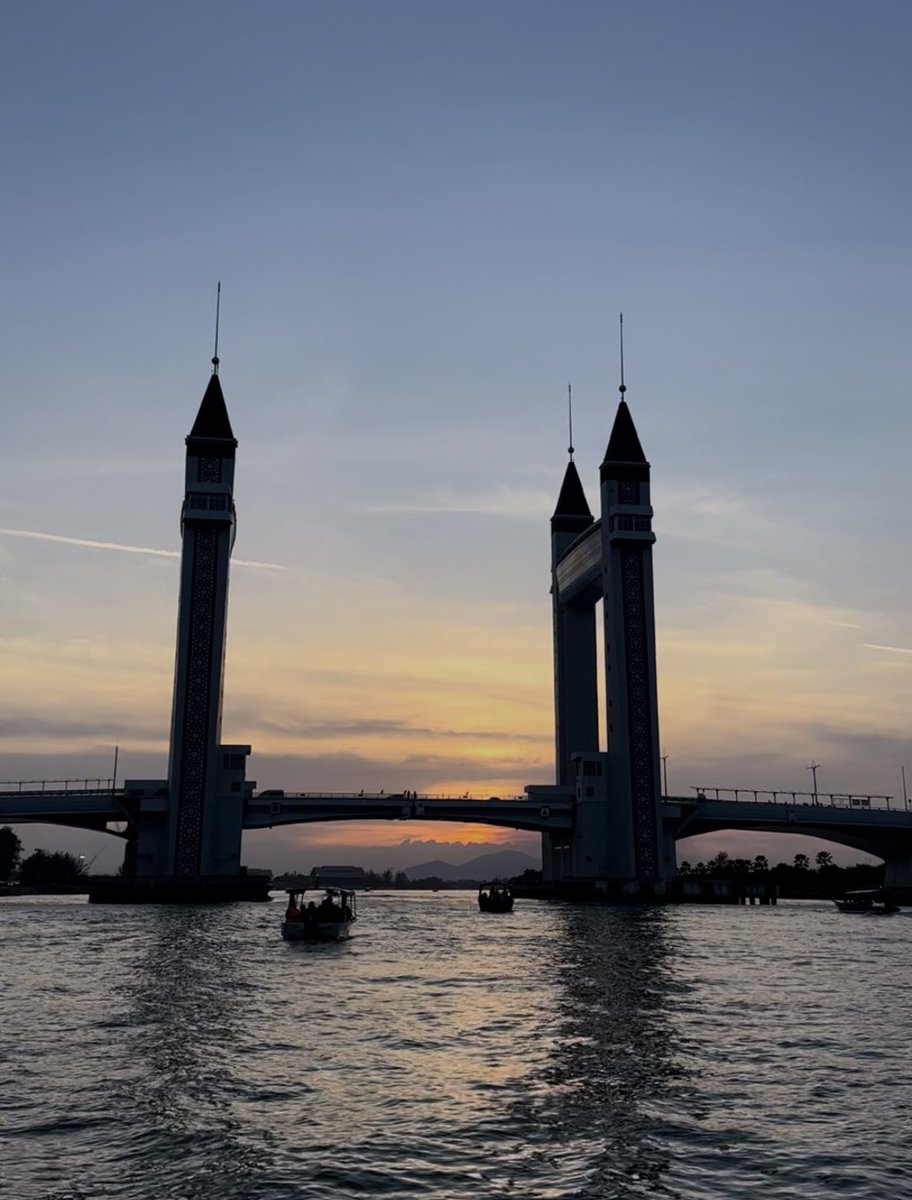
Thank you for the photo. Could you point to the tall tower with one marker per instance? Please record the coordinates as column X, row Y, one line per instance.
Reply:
column 195, row 766
column 630, row 651
column 575, row 654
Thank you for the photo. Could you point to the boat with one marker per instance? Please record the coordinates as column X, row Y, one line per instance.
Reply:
column 330, row 920
column 876, row 903
column 495, row 897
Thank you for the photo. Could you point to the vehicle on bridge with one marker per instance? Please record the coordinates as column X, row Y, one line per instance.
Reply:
column 329, row 921
column 875, row 903
column 495, row 897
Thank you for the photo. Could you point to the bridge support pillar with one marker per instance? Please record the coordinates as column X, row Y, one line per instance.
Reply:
column 898, row 878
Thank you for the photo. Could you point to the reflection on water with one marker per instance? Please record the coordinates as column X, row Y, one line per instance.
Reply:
column 188, row 1038
column 610, row 1056
column 553, row 1052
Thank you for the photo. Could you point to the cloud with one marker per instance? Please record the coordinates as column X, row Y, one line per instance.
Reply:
column 889, row 649
column 36, row 726
column 374, row 727
column 149, row 551
column 521, row 503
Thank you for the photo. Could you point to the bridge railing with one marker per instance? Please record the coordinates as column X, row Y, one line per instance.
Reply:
column 12, row 787
column 382, row 795
column 818, row 799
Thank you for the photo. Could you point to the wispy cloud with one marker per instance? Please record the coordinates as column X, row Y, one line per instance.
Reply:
column 386, row 727
column 523, row 503
column 149, row 551
column 890, row 649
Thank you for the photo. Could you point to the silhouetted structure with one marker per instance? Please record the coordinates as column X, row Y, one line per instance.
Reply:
column 186, row 841
column 617, row 836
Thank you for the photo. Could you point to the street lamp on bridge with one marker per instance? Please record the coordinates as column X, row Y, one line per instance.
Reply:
column 813, row 769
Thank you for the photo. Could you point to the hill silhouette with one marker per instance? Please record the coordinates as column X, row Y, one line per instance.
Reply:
column 501, row 864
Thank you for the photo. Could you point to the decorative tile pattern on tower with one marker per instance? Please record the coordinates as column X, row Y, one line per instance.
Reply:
column 639, row 716
column 192, row 778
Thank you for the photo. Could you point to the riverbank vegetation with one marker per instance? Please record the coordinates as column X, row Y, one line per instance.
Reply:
column 799, row 879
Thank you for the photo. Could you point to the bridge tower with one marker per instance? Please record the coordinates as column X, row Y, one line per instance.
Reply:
column 575, row 654
column 617, row 837
column 204, row 825
column 633, row 779
column 575, row 661
column 188, row 826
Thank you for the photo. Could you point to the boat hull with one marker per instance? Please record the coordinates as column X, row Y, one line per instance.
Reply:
column 323, row 931
column 870, row 910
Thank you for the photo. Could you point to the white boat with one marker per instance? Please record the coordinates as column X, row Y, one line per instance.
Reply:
column 330, row 920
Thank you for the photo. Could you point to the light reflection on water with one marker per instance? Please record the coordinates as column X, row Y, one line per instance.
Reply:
column 558, row 1051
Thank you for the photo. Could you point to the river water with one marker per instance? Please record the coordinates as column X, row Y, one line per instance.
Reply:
column 559, row 1051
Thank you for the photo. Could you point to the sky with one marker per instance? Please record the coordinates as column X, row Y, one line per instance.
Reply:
column 426, row 219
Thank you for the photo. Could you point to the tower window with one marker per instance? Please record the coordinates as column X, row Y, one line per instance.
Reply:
column 209, row 470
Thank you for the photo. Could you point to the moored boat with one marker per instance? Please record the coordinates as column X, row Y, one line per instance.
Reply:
column 330, row 920
column 495, row 897
column 875, row 903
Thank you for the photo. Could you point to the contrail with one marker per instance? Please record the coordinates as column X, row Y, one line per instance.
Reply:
column 149, row 550
column 892, row 649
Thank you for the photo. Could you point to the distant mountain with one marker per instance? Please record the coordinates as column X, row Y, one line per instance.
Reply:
column 502, row 864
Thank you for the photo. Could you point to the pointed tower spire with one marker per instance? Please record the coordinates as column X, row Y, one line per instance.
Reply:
column 218, row 305
column 212, row 423
column 623, row 388
column 570, row 418
column 624, row 443
column 572, row 513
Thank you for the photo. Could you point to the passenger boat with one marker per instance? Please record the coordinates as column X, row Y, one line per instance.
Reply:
column 876, row 903
column 330, row 920
column 495, row 897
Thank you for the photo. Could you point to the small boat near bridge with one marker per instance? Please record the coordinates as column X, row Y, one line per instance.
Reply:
column 330, row 920
column 495, row 897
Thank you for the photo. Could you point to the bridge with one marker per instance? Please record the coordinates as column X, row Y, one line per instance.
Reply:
column 604, row 820
column 872, row 824
column 116, row 810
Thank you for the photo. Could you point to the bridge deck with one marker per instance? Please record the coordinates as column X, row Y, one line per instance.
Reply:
column 865, row 827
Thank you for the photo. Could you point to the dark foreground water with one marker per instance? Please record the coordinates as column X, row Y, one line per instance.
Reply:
column 555, row 1052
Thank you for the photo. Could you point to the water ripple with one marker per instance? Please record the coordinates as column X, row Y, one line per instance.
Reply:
column 557, row 1052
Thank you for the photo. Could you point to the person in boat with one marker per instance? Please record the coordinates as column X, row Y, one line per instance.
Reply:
column 292, row 912
column 328, row 911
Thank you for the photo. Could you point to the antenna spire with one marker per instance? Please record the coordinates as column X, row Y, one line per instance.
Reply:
column 570, row 418
column 218, row 305
column 623, row 388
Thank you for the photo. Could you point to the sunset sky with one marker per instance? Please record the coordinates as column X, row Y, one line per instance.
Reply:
column 426, row 218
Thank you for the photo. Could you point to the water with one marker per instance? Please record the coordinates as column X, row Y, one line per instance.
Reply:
column 558, row 1051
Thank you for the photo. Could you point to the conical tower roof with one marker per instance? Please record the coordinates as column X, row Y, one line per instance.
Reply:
column 624, row 444
column 572, row 513
column 624, row 457
column 212, row 421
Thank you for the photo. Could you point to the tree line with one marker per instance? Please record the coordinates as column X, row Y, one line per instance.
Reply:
column 799, row 878
column 40, row 871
